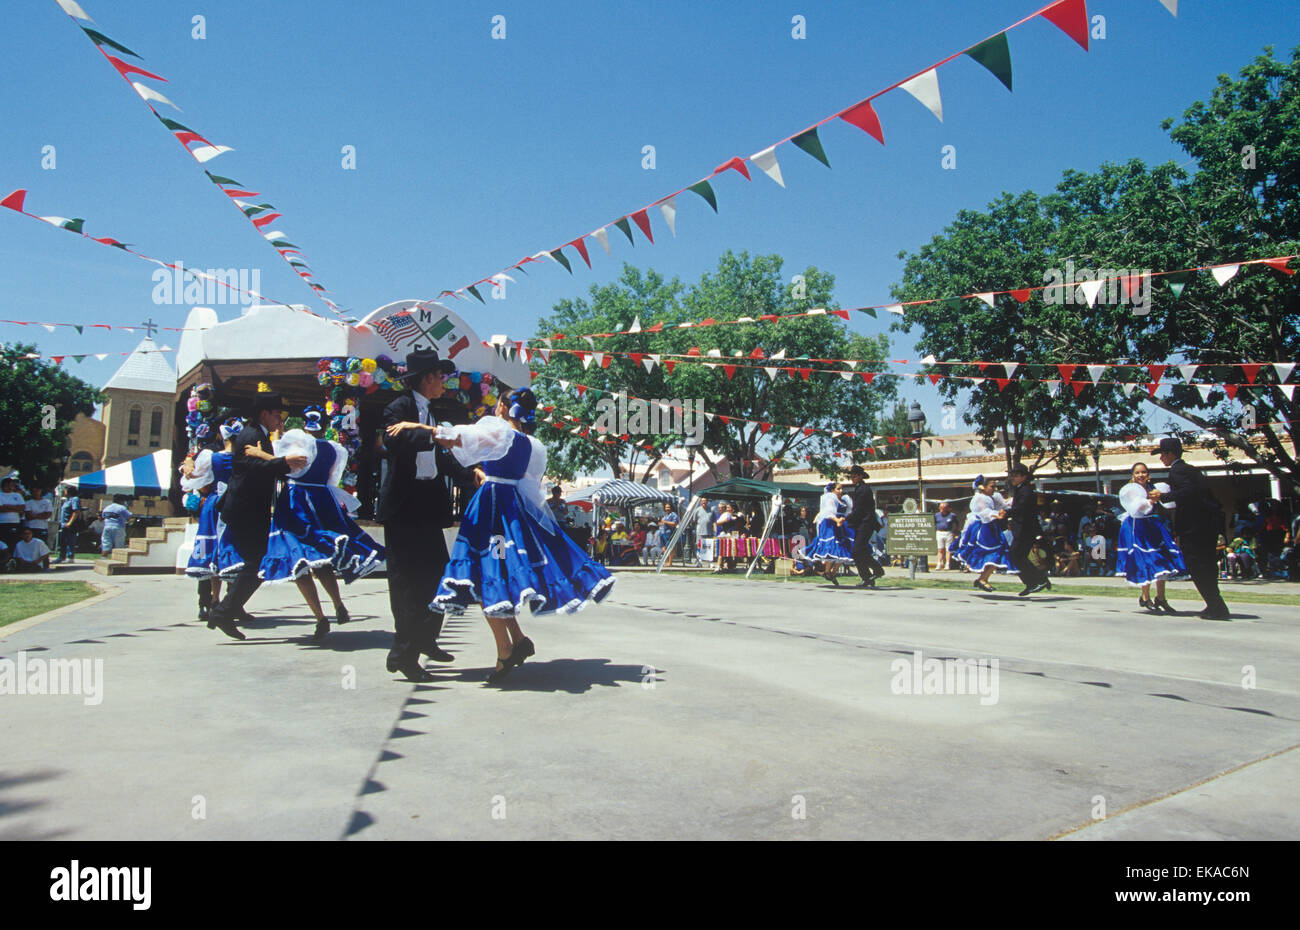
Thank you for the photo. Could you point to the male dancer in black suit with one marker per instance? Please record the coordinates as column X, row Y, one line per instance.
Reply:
column 863, row 521
column 1025, row 529
column 415, row 507
column 246, row 506
column 1198, row 521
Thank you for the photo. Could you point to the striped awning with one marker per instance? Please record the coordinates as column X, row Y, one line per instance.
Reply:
column 149, row 475
column 615, row 492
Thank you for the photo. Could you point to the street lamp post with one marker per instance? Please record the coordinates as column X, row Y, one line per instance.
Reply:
column 916, row 417
column 1096, row 461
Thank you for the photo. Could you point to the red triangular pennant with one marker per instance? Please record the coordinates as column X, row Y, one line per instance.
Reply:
column 1002, row 383
column 730, row 370
column 581, row 246
column 582, row 389
column 842, row 314
column 1065, row 371
column 1156, row 372
column 1078, row 387
column 1251, row 372
column 1280, row 264
column 643, row 223
column 1071, row 17
column 1022, row 295
column 14, row 201
column 867, row 376
column 736, row 164
column 1152, row 387
column 934, row 379
column 805, row 372
column 1230, row 390
column 765, row 427
column 669, row 365
column 864, row 117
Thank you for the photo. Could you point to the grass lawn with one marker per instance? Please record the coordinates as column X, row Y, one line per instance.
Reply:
column 1179, row 591
column 22, row 599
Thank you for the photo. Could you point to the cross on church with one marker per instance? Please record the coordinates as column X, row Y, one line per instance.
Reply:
column 150, row 327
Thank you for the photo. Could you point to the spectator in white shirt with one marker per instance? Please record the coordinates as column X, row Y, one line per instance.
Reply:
column 31, row 554
column 40, row 510
column 12, row 508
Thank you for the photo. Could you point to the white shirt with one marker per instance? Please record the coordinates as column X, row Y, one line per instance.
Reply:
column 31, row 550
column 42, row 510
column 426, row 462
column 8, row 499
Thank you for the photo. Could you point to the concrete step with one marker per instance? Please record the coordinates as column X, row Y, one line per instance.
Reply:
column 120, row 555
column 139, row 544
column 155, row 533
column 175, row 522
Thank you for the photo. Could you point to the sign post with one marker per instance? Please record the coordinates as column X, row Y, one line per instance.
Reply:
column 911, row 535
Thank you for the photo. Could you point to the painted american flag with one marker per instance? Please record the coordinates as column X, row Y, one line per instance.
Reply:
column 397, row 329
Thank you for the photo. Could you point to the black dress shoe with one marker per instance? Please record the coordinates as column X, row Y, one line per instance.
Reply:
column 523, row 649
column 342, row 615
column 1214, row 615
column 322, row 630
column 833, row 580
column 226, row 626
column 410, row 668
column 245, row 616
column 866, row 583
column 438, row 655
column 1160, row 605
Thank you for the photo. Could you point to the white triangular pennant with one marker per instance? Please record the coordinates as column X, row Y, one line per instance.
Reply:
column 1225, row 273
column 656, row 359
column 1283, row 369
column 148, row 93
column 1011, row 368
column 669, row 209
column 898, row 308
column 1187, row 371
column 101, row 355
column 72, row 9
column 987, row 298
column 846, row 375
column 780, row 353
column 649, row 364
column 1205, row 390
column 925, row 88
column 1095, row 372
column 636, row 325
column 1170, row 5
column 1054, row 388
column 1090, row 290
column 928, row 360
column 602, row 236
column 564, row 385
column 1288, row 390
column 766, row 161
column 714, row 353
column 1126, row 387
column 48, row 326
column 205, row 153
column 771, row 373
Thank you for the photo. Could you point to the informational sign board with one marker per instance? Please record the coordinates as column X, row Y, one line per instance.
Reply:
column 911, row 534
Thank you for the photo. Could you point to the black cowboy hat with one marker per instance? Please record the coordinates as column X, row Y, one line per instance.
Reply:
column 1169, row 444
column 423, row 361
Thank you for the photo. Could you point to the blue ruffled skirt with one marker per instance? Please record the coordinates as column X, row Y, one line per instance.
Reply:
column 214, row 554
column 983, row 544
column 504, row 558
column 1146, row 551
column 310, row 529
column 833, row 544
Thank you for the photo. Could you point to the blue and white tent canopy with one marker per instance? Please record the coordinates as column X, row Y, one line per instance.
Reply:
column 615, row 492
column 147, row 476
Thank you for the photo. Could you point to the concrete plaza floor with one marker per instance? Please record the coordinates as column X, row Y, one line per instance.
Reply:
column 682, row 708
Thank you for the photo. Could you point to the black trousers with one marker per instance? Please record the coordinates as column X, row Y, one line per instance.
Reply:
column 250, row 541
column 863, row 557
column 1021, row 543
column 1200, row 553
column 417, row 556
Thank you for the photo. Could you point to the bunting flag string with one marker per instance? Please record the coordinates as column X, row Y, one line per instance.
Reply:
column 809, row 431
column 81, row 356
column 202, row 151
column 732, row 364
column 1177, row 281
column 993, row 53
column 16, row 201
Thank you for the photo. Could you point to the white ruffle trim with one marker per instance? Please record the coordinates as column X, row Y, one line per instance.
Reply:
column 444, row 603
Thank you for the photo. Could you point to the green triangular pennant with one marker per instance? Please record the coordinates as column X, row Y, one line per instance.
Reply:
column 560, row 257
column 812, row 144
column 995, row 54
column 74, row 225
column 868, row 311
column 78, row 329
column 624, row 225
column 473, row 290
column 218, row 179
column 100, row 39
column 78, row 358
column 173, row 125
column 283, row 244
column 1177, row 281
column 705, row 190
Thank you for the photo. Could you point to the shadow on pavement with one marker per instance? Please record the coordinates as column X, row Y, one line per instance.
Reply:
column 572, row 676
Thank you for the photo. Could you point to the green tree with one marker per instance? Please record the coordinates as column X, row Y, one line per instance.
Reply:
column 896, row 424
column 38, row 402
column 741, row 286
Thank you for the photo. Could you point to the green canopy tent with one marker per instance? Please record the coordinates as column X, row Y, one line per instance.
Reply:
column 770, row 495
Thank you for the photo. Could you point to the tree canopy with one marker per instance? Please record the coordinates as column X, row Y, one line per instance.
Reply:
column 740, row 286
column 1238, row 200
column 38, row 402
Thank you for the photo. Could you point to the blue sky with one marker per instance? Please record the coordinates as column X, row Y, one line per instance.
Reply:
column 473, row 152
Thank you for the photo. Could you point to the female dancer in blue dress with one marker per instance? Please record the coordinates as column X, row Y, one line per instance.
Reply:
column 833, row 546
column 1146, row 551
column 510, row 551
column 983, row 548
column 214, row 555
column 312, row 531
